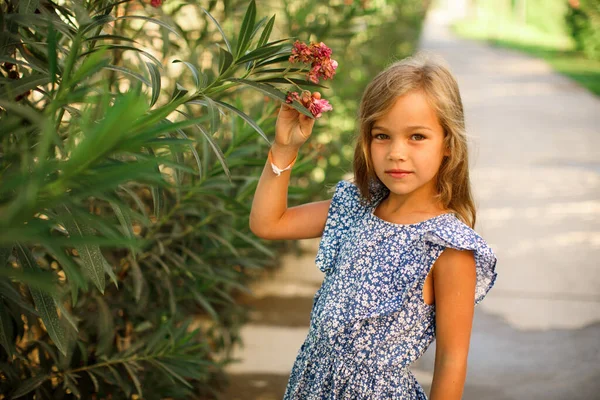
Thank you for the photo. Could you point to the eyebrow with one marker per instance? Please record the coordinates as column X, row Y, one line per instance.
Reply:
column 407, row 128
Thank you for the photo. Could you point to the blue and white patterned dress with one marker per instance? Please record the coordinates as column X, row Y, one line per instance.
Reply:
column 369, row 322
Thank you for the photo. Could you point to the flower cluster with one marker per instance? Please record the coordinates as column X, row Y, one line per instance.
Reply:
column 313, row 101
column 318, row 55
column 156, row 3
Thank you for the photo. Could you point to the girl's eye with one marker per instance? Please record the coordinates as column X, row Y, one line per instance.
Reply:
column 421, row 136
column 380, row 136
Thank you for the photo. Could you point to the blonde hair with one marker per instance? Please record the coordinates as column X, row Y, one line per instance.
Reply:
column 434, row 79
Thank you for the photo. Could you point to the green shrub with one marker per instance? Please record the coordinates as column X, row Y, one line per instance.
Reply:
column 583, row 20
column 131, row 141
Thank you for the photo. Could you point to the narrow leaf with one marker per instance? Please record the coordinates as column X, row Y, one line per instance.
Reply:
column 90, row 255
column 52, row 57
column 220, row 30
column 138, row 279
column 266, row 33
column 246, row 29
column 225, row 60
column 129, row 72
column 153, row 20
column 6, row 330
column 30, row 385
column 195, row 72
column 135, row 379
column 261, row 52
column 245, row 117
column 44, row 304
column 274, row 94
column 155, row 78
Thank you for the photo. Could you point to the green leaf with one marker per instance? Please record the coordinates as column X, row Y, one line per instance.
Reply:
column 220, row 30
column 5, row 253
column 129, row 72
column 28, row 6
column 71, row 384
column 6, row 330
column 118, row 38
column 266, row 33
column 90, row 255
column 225, row 60
column 39, row 279
column 254, row 243
column 96, row 21
column 70, row 318
column 194, row 152
column 155, row 77
column 195, row 72
column 152, row 20
column 52, row 57
column 72, row 271
column 138, row 279
column 44, row 304
column 29, row 385
column 261, row 52
column 274, row 60
column 216, row 149
column 125, row 220
column 9, row 293
column 125, row 47
column 94, row 380
column 135, row 379
column 245, row 34
column 205, row 304
column 274, row 94
column 108, row 269
column 94, row 62
column 245, row 117
column 20, row 86
column 105, row 325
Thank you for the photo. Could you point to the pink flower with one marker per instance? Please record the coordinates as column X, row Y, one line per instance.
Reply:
column 291, row 96
column 319, row 106
column 301, row 53
column 320, row 51
column 156, row 3
column 319, row 58
column 312, row 101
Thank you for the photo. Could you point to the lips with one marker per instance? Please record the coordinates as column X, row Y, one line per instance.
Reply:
column 398, row 173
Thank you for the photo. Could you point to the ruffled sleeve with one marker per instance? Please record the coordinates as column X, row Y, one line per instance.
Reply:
column 459, row 236
column 343, row 211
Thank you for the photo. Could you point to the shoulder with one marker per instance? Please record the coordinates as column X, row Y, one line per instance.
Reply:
column 347, row 191
column 452, row 232
column 346, row 194
column 449, row 238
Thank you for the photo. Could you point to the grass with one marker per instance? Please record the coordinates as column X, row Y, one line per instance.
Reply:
column 555, row 48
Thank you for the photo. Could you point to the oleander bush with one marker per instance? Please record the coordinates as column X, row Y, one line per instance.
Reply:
column 132, row 136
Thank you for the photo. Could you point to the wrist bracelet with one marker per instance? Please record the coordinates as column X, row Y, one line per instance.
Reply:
column 277, row 171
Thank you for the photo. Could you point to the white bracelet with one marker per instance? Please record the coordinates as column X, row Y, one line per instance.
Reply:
column 276, row 170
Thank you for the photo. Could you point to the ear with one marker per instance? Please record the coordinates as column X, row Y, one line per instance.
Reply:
column 447, row 152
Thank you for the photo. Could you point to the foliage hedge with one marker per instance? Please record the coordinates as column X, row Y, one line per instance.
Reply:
column 131, row 141
column 583, row 21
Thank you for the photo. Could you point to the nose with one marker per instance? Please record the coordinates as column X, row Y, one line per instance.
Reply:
column 398, row 150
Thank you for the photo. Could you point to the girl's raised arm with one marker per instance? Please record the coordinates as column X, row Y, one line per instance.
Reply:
column 270, row 218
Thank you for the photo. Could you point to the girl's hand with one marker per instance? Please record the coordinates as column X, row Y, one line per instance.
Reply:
column 292, row 128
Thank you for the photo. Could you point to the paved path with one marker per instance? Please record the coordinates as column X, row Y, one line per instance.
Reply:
column 535, row 162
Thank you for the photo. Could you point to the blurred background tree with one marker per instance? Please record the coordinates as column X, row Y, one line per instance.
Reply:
column 132, row 136
column 565, row 33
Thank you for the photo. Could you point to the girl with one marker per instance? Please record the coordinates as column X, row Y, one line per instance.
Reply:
column 403, row 265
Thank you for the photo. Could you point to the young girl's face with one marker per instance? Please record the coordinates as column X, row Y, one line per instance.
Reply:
column 409, row 137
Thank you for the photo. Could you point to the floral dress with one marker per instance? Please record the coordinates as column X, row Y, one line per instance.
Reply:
column 369, row 322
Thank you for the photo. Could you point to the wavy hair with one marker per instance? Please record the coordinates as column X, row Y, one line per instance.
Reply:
column 432, row 77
